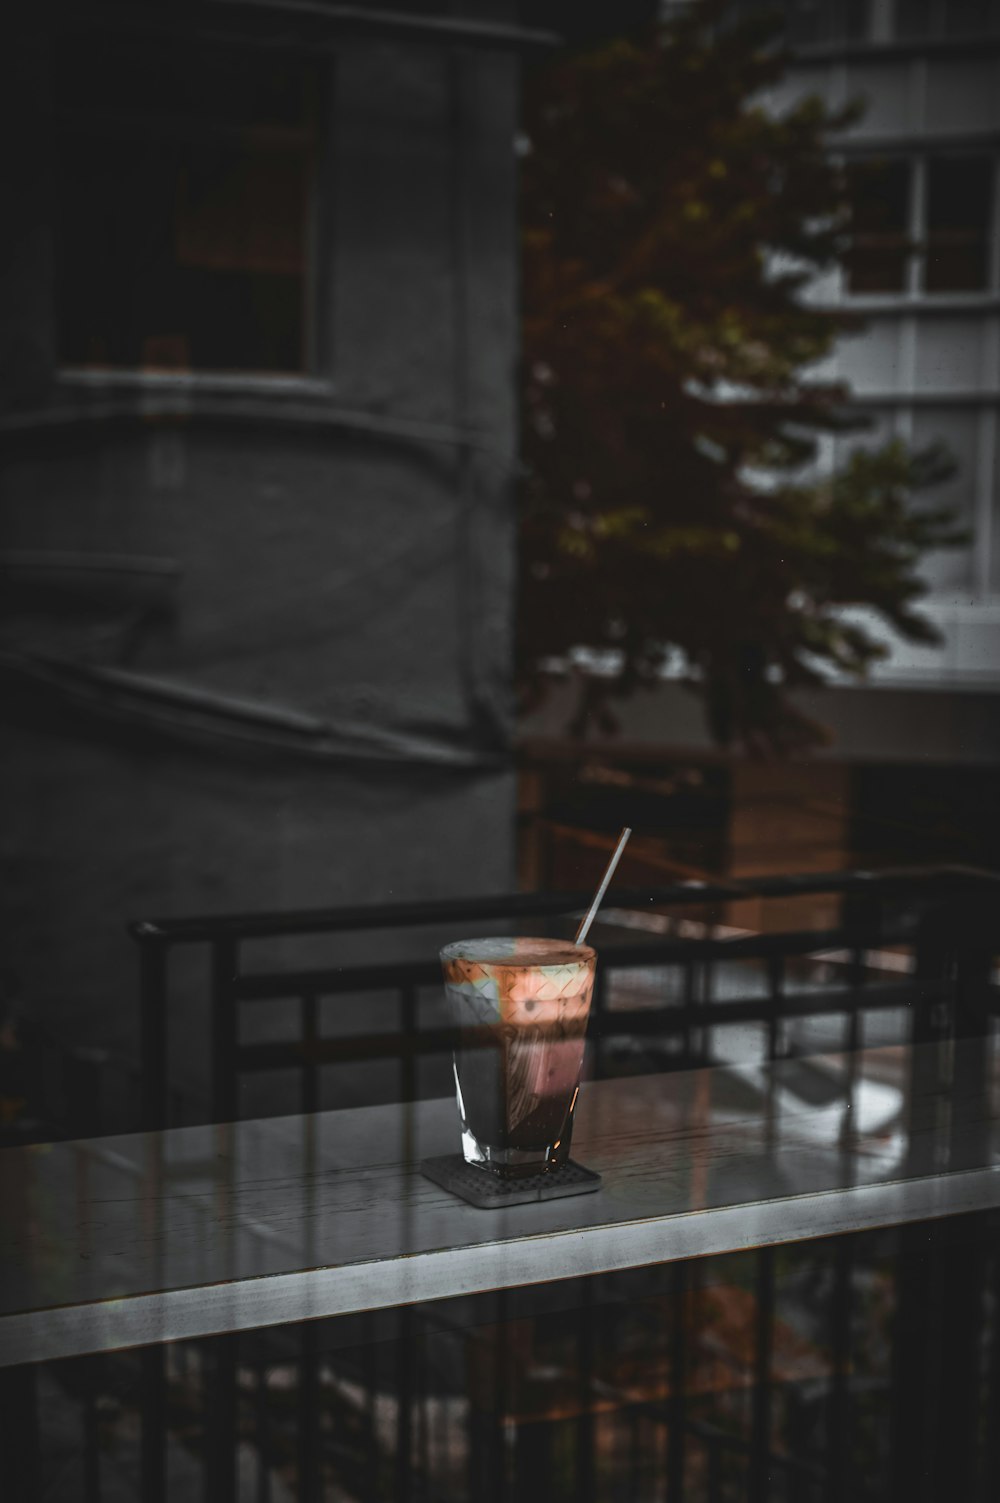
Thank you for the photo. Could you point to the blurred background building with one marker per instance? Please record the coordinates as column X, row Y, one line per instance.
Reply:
column 910, row 771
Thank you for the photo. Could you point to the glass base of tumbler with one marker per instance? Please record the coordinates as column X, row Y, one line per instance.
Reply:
column 507, row 1162
column 512, row 1163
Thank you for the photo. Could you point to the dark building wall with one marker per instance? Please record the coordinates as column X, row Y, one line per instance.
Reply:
column 338, row 547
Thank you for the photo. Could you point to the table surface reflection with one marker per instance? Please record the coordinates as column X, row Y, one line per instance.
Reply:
column 122, row 1241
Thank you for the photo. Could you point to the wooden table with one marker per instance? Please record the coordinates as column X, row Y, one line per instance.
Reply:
column 126, row 1241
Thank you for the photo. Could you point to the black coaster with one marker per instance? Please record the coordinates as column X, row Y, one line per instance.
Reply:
column 481, row 1188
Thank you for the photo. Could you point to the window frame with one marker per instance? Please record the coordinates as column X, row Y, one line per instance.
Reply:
column 314, row 380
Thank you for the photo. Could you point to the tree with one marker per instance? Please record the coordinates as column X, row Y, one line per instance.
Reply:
column 672, row 507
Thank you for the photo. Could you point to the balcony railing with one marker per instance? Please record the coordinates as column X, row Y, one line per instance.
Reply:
column 809, row 1373
column 674, row 975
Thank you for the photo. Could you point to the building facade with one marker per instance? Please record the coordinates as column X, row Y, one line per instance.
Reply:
column 259, row 330
column 924, row 158
column 910, row 772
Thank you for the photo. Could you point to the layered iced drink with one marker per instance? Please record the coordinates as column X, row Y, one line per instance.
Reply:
column 521, row 1007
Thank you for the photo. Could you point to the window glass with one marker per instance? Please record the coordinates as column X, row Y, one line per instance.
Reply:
column 811, row 20
column 183, row 197
column 913, row 18
column 994, row 559
column 880, row 206
column 959, row 198
column 968, row 17
column 857, row 20
column 924, row 18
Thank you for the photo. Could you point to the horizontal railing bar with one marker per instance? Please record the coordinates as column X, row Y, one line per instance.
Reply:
column 646, row 1022
column 405, row 915
column 272, row 985
column 928, row 881
column 670, row 1019
column 291, row 1053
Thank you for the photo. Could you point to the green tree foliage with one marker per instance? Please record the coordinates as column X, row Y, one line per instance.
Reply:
column 671, row 504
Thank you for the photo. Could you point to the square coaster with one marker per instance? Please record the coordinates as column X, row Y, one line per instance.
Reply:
column 481, row 1188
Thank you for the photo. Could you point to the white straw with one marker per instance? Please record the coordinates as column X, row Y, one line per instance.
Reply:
column 588, row 919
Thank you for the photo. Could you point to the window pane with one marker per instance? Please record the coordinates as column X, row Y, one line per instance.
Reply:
column 183, row 193
column 880, row 194
column 959, row 200
column 913, row 18
column 994, row 561
column 968, row 17
column 857, row 22
column 880, row 205
column 813, row 21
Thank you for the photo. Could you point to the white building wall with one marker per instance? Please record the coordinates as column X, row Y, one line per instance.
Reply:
column 927, row 365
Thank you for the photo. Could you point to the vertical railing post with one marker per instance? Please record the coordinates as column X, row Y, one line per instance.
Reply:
column 408, row 1063
column 688, row 1036
column 404, row 1401
column 20, row 1455
column 586, row 1456
column 310, row 1476
column 310, row 1038
column 222, row 1416
column 760, row 1423
column 775, row 1044
column 943, row 1268
column 991, row 1461
column 838, row 1449
column 91, row 1371
column 225, row 960
column 83, row 1076
column 152, row 1027
column 930, row 1036
column 152, row 1359
column 677, row 1401
column 977, row 937
column 263, row 1410
column 775, row 999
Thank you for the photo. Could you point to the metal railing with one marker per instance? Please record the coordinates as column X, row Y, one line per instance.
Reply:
column 592, row 1388
column 849, row 1370
column 943, row 921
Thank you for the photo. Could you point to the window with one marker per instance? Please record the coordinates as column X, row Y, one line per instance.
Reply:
column 880, row 199
column 959, row 193
column 816, row 21
column 935, row 18
column 913, row 18
column 951, row 252
column 183, row 189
